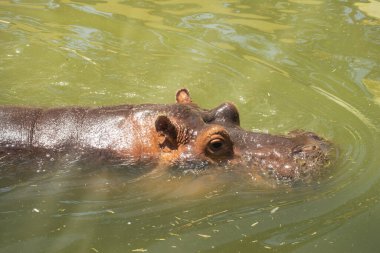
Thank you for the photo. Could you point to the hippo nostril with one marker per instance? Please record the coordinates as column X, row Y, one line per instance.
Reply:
column 309, row 148
column 297, row 149
column 306, row 149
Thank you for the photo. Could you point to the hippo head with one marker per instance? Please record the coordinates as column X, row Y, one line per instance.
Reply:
column 192, row 139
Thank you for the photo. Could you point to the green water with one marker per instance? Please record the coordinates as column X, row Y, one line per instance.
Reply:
column 295, row 64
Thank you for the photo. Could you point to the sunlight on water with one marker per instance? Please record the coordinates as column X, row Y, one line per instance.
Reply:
column 348, row 107
column 296, row 64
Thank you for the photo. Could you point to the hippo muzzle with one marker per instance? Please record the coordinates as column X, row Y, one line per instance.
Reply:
column 298, row 156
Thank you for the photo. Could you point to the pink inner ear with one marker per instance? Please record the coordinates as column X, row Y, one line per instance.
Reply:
column 183, row 96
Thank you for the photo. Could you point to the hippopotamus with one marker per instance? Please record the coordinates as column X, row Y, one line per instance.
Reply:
column 179, row 137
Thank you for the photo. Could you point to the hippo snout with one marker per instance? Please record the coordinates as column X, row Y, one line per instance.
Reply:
column 298, row 156
column 309, row 158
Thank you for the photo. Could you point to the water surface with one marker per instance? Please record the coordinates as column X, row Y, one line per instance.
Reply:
column 296, row 64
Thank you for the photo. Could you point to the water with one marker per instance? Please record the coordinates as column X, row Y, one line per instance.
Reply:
column 296, row 64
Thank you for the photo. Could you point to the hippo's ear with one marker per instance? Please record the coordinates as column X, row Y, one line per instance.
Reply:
column 183, row 96
column 167, row 132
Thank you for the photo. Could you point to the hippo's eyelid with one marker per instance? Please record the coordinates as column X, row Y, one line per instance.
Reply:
column 219, row 145
column 216, row 144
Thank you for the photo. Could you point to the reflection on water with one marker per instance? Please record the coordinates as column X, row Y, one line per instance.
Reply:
column 349, row 108
column 372, row 8
column 296, row 64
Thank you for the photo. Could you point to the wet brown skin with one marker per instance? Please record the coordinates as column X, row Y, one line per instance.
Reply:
column 178, row 137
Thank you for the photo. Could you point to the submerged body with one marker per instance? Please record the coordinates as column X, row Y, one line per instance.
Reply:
column 178, row 136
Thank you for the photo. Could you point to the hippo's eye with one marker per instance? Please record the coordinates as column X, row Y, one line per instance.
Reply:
column 219, row 146
column 216, row 144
